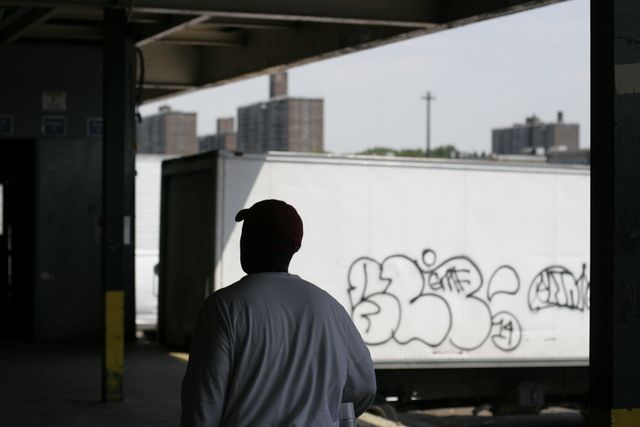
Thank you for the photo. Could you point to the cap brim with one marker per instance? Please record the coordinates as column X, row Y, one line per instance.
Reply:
column 241, row 215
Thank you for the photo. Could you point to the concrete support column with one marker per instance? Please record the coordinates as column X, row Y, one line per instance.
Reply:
column 117, row 198
column 615, row 214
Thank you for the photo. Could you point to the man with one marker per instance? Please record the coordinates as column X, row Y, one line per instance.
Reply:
column 273, row 349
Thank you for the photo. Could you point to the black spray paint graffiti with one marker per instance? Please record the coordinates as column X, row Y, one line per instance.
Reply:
column 387, row 299
column 445, row 295
column 556, row 286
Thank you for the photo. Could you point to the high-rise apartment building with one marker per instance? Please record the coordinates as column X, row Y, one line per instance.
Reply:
column 536, row 137
column 225, row 137
column 168, row 132
column 282, row 123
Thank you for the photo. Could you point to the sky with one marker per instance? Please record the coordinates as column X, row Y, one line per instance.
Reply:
column 485, row 75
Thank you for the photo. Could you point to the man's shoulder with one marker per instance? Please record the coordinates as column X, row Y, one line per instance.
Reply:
column 263, row 287
column 321, row 299
column 224, row 294
column 251, row 285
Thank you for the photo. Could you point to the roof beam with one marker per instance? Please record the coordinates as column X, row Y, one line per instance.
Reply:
column 460, row 12
column 26, row 19
column 171, row 67
column 216, row 23
column 65, row 32
column 405, row 13
column 153, row 93
column 268, row 51
column 207, row 38
column 147, row 33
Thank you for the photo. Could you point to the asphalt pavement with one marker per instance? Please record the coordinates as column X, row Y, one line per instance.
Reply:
column 58, row 385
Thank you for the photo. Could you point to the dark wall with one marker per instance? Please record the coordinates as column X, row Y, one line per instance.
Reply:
column 28, row 70
column 67, row 291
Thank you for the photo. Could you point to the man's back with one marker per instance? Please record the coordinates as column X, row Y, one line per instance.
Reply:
column 274, row 350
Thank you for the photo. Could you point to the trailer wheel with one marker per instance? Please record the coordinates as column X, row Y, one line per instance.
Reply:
column 384, row 410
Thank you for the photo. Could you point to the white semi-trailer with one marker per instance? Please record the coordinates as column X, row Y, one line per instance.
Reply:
column 442, row 264
column 147, row 238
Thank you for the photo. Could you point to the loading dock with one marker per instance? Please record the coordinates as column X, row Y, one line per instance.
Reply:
column 53, row 46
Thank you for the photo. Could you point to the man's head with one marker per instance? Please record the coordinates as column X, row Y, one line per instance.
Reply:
column 271, row 234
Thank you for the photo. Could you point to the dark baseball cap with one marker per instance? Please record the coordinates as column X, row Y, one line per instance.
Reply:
column 274, row 223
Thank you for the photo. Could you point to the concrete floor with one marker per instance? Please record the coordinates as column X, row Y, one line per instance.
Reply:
column 59, row 385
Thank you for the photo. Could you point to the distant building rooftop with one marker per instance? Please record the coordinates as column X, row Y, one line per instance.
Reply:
column 535, row 137
column 168, row 132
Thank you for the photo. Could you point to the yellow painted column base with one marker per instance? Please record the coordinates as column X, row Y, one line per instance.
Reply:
column 625, row 417
column 113, row 367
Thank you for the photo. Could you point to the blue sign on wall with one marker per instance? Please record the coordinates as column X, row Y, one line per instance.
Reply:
column 54, row 126
column 6, row 125
column 94, row 127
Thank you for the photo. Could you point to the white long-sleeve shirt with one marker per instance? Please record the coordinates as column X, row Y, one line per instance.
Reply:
column 274, row 350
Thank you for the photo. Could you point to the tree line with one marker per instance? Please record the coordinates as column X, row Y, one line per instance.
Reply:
column 443, row 151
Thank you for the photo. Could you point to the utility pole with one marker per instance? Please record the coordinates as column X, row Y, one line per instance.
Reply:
column 428, row 97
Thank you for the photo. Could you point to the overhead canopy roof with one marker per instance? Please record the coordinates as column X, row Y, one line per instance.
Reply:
column 189, row 44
